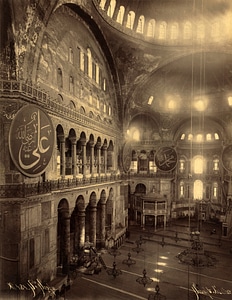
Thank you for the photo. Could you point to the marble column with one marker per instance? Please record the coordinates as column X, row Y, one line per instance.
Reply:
column 74, row 157
column 83, row 148
column 99, row 160
column 92, row 159
column 102, row 224
column 81, row 219
column 93, row 225
column 62, row 157
column 66, row 240
column 105, row 159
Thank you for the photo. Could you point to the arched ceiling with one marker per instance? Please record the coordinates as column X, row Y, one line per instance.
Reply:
column 182, row 78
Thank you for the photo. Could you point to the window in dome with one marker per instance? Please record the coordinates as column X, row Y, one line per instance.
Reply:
column 140, row 26
column 174, row 31
column 198, row 190
column 120, row 14
column 182, row 136
column 198, row 165
column 187, row 31
column 162, row 31
column 215, row 30
column 208, row 137
column 190, row 137
column 199, row 137
column 102, row 4
column 110, row 110
column 150, row 100
column 216, row 136
column 136, row 135
column 111, row 8
column 130, row 20
column 200, row 31
column 104, row 107
column 151, row 28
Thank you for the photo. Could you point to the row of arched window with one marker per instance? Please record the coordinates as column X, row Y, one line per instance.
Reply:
column 85, row 63
column 143, row 161
column 199, row 192
column 200, row 137
column 161, row 30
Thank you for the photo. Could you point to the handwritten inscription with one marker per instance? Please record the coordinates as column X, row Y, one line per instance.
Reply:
column 209, row 291
column 31, row 140
column 35, row 286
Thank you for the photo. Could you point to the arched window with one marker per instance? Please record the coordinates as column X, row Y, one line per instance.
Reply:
column 70, row 55
column 215, row 190
column 71, row 85
column 104, row 84
column 120, row 14
column 110, row 110
column 198, row 190
column 181, row 189
column 82, row 60
column 198, row 165
column 187, row 31
column 130, row 20
column 98, row 103
column 182, row 165
column 97, row 73
column 163, row 31
column 174, row 31
column 151, row 28
column 216, row 164
column 111, row 8
column 104, row 108
column 59, row 78
column 90, row 69
column 140, row 26
column 136, row 135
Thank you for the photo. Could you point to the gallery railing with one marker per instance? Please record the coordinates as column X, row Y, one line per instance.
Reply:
column 42, row 97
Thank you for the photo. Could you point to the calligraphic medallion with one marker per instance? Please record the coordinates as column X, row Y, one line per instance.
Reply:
column 31, row 140
column 227, row 158
column 166, row 159
column 126, row 156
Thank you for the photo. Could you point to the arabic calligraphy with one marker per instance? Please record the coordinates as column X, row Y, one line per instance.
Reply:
column 31, row 140
column 166, row 159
